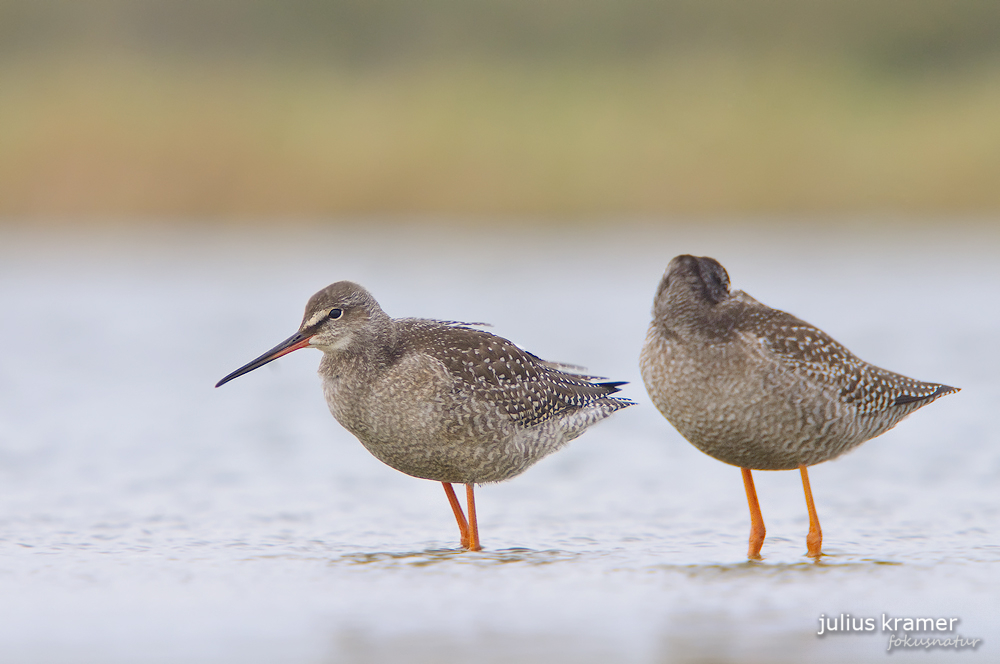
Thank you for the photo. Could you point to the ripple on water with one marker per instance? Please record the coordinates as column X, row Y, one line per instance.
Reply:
column 758, row 569
column 430, row 557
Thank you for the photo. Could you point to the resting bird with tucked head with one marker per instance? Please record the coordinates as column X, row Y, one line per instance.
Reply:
column 760, row 389
column 441, row 400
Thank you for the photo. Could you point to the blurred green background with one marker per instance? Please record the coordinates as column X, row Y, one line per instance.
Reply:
column 558, row 108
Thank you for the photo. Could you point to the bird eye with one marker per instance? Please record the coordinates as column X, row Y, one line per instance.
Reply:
column 335, row 314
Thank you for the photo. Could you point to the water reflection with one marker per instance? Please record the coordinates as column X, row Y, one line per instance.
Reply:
column 484, row 558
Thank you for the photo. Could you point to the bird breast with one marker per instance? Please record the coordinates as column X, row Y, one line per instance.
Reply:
column 737, row 402
column 420, row 419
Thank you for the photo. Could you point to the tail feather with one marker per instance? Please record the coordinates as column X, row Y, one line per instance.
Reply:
column 939, row 392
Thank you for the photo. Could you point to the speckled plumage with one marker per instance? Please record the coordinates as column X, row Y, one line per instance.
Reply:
column 760, row 389
column 447, row 402
column 757, row 387
column 441, row 400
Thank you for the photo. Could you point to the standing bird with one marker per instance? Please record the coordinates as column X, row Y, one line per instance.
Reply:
column 440, row 400
column 760, row 389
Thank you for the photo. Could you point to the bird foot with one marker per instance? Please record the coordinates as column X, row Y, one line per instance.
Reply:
column 814, row 545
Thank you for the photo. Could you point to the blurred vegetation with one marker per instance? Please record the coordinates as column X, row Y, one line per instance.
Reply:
column 557, row 107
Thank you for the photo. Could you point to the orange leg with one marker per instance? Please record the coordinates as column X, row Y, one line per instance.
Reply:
column 757, row 530
column 814, row 540
column 463, row 526
column 470, row 496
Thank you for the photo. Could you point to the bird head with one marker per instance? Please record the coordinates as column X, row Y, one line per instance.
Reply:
column 331, row 322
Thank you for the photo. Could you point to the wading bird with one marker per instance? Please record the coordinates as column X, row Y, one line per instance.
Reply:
column 441, row 400
column 760, row 389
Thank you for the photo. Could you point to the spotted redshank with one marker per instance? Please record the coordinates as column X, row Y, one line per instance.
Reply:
column 760, row 389
column 441, row 400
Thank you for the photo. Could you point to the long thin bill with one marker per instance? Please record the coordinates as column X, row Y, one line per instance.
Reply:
column 294, row 342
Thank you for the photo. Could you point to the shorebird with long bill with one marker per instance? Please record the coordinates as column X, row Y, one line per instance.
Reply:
column 441, row 400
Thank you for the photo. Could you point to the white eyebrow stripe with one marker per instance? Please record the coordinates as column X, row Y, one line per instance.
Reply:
column 316, row 317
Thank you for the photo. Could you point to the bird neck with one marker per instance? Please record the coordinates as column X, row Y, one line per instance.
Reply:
column 368, row 348
column 681, row 315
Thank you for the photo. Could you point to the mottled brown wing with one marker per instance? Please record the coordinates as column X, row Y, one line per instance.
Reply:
column 811, row 351
column 529, row 390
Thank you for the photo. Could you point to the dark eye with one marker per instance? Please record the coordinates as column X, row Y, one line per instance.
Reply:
column 335, row 314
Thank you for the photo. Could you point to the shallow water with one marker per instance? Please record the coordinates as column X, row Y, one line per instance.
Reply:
column 147, row 517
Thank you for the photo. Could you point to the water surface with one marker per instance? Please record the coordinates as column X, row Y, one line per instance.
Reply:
column 147, row 517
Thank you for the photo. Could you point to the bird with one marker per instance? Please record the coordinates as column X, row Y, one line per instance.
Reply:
column 760, row 389
column 441, row 400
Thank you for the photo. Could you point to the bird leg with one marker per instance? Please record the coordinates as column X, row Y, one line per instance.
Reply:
column 757, row 530
column 814, row 540
column 470, row 496
column 463, row 526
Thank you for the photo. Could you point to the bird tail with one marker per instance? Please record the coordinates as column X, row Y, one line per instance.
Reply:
column 926, row 398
